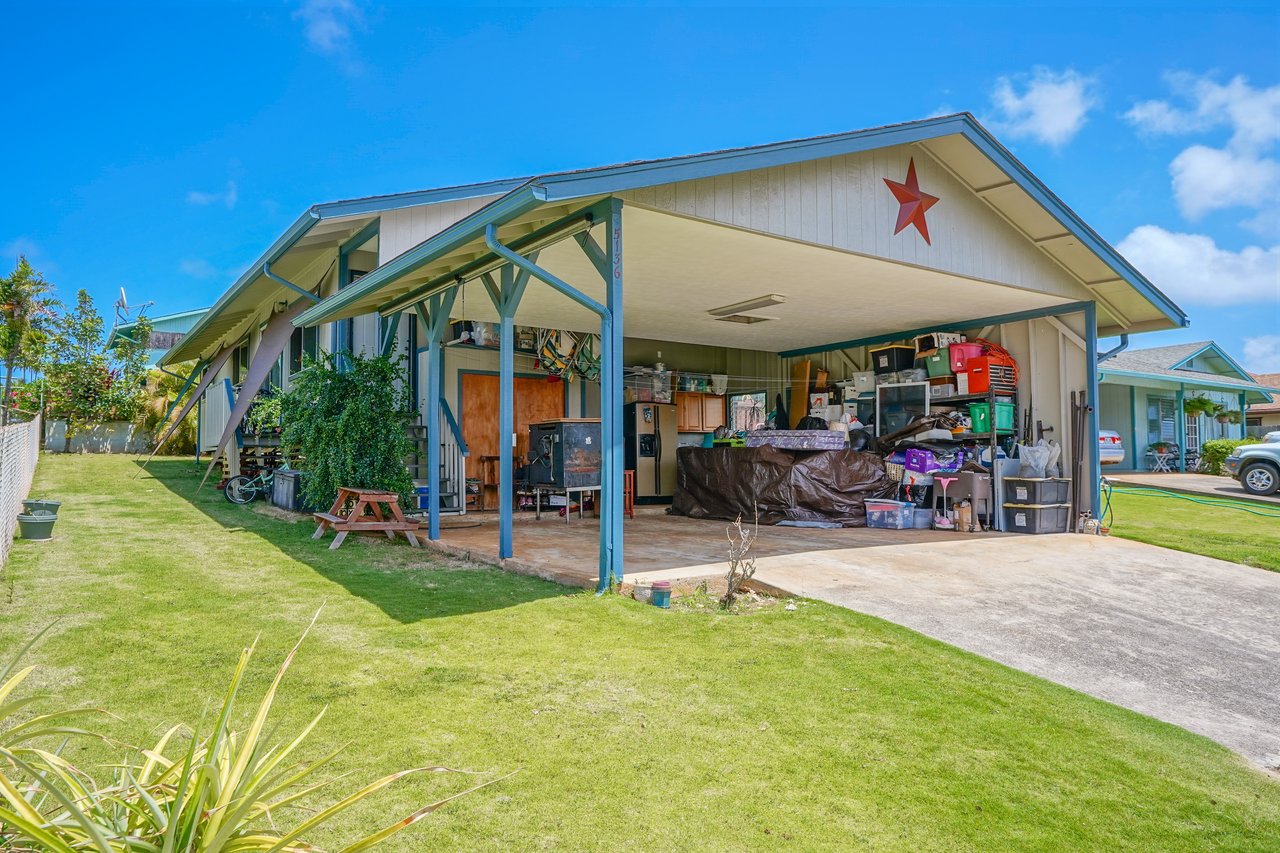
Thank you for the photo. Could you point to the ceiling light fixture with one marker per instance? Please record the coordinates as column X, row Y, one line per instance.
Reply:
column 748, row 305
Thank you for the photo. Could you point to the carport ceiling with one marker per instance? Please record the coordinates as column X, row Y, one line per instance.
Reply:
column 676, row 269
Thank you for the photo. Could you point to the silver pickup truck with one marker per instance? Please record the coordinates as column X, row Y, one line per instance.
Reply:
column 1257, row 467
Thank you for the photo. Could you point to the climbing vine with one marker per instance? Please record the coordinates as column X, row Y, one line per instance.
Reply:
column 347, row 426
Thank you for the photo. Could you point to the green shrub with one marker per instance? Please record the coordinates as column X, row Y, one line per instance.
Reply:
column 1214, row 453
column 347, row 426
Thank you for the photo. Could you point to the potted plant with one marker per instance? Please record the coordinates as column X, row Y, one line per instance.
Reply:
column 1223, row 415
column 1199, row 406
column 31, row 505
column 37, row 525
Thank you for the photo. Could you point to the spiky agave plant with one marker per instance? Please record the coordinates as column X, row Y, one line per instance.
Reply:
column 225, row 793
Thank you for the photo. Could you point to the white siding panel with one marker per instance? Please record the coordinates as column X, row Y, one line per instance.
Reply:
column 401, row 230
column 843, row 202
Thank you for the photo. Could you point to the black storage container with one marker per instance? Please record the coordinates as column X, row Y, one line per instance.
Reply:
column 1030, row 490
column 565, row 453
column 1036, row 518
column 892, row 358
column 286, row 490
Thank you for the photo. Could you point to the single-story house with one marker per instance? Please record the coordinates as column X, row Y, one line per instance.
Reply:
column 166, row 331
column 1144, row 396
column 1262, row 418
column 714, row 283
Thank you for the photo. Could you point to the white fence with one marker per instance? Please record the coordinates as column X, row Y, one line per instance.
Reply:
column 19, row 452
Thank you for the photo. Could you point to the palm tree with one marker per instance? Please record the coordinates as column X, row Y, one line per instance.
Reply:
column 26, row 304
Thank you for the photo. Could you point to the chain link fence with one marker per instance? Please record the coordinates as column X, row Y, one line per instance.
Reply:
column 19, row 452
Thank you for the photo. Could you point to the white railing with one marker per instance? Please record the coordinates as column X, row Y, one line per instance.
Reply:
column 19, row 452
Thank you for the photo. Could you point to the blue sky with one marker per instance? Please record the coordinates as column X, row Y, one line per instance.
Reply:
column 161, row 146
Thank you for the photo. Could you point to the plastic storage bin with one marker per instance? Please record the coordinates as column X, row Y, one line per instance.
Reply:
column 936, row 363
column 1031, row 490
column 889, row 515
column 961, row 353
column 892, row 358
column 1036, row 518
column 980, row 414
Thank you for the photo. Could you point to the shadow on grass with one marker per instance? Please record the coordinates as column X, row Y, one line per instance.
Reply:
column 389, row 575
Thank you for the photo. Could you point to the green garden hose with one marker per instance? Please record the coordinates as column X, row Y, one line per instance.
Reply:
column 1224, row 503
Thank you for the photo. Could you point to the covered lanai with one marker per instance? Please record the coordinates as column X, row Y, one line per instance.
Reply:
column 813, row 249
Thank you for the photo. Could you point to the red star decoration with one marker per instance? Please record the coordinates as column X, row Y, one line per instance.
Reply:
column 912, row 202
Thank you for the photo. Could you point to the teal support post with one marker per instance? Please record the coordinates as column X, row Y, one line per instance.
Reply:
column 1091, row 365
column 434, row 317
column 390, row 333
column 611, row 414
column 1133, row 424
column 1244, row 409
column 1180, row 428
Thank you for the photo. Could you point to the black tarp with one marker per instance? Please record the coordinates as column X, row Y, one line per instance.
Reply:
column 782, row 485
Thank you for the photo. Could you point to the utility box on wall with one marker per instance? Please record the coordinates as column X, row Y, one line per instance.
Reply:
column 565, row 453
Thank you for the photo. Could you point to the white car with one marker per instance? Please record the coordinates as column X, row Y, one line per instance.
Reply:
column 1271, row 438
column 1110, row 447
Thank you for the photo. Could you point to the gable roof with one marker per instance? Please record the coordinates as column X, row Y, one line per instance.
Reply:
column 1164, row 362
column 1270, row 380
column 378, row 289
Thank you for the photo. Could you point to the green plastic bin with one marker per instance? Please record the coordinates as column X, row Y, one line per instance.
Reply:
column 980, row 414
column 937, row 362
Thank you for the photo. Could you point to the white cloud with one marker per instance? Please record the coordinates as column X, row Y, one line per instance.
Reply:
column 1052, row 106
column 328, row 25
column 1262, row 354
column 197, row 268
column 1242, row 173
column 228, row 198
column 1206, row 179
column 1192, row 268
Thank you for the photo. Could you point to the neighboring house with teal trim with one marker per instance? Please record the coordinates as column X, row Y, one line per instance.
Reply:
column 1142, row 394
column 166, row 332
column 1263, row 418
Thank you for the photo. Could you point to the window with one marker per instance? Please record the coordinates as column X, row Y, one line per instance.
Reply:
column 240, row 364
column 303, row 342
column 746, row 411
column 1193, row 433
column 1160, row 420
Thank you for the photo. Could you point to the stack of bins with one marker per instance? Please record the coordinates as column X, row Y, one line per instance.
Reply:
column 1037, row 505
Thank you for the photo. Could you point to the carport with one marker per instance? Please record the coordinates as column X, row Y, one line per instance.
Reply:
column 658, row 250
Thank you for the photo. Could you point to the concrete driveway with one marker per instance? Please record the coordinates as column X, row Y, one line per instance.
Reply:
column 1186, row 639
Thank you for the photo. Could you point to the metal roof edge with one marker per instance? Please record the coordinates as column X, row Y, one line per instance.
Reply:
column 1213, row 345
column 627, row 176
column 1190, row 380
column 523, row 198
column 1034, row 187
column 398, row 201
column 292, row 234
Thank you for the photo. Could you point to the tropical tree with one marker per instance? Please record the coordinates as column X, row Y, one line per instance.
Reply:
column 88, row 384
column 26, row 314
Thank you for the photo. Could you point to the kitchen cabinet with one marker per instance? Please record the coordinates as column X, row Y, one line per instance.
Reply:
column 698, row 412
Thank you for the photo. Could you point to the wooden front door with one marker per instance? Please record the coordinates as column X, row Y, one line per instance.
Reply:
column 535, row 400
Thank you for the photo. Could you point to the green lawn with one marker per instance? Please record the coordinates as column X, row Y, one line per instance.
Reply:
column 1215, row 531
column 636, row 729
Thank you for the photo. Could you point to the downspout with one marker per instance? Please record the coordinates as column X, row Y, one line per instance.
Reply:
column 1119, row 348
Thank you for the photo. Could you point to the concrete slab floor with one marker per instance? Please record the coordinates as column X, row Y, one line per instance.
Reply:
column 656, row 544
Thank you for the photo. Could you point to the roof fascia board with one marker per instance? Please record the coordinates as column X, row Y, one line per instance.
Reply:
column 282, row 244
column 629, row 176
column 1029, row 183
column 1189, row 381
column 1240, row 371
column 516, row 202
column 1034, row 314
column 398, row 201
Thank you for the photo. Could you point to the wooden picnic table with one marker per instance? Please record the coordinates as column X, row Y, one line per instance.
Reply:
column 366, row 515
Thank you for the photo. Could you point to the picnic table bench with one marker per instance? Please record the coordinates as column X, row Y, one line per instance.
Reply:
column 366, row 515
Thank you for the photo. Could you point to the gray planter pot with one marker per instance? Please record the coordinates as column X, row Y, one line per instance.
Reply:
column 38, row 525
column 31, row 505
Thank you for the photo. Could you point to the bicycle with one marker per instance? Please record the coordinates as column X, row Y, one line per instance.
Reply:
column 245, row 490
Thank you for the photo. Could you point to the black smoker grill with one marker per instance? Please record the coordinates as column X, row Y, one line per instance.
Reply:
column 565, row 453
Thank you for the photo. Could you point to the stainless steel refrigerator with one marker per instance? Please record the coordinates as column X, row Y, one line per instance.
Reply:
column 651, row 439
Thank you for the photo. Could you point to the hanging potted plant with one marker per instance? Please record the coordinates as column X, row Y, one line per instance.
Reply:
column 1199, row 406
column 1221, row 414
